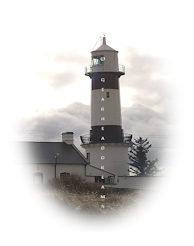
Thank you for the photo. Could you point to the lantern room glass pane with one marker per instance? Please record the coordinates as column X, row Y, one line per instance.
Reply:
column 97, row 60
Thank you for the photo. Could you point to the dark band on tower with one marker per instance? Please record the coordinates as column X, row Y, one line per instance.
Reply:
column 110, row 134
column 110, row 81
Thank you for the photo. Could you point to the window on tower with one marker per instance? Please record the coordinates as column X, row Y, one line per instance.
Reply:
column 88, row 156
column 98, row 60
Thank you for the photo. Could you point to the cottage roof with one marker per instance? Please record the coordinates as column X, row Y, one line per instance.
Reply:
column 45, row 152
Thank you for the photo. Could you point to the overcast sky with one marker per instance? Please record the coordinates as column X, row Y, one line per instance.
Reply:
column 146, row 99
column 46, row 46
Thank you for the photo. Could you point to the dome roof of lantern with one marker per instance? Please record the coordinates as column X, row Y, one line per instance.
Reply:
column 104, row 46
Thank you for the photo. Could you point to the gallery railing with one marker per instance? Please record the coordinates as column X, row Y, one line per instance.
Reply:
column 88, row 69
column 86, row 138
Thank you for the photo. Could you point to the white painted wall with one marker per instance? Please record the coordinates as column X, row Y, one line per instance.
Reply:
column 114, row 157
column 112, row 107
column 48, row 170
column 146, row 183
column 79, row 169
column 92, row 171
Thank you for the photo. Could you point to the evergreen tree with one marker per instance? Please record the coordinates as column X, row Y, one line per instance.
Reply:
column 139, row 164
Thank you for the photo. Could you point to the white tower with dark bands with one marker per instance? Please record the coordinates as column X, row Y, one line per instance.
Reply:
column 106, row 145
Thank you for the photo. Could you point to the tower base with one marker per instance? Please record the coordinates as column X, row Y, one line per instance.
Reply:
column 110, row 157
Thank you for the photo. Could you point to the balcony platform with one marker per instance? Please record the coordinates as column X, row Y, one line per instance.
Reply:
column 90, row 69
column 86, row 139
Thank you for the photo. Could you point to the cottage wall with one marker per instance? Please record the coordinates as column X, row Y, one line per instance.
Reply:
column 79, row 169
column 145, row 183
column 33, row 172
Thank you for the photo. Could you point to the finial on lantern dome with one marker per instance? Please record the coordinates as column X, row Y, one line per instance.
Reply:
column 104, row 38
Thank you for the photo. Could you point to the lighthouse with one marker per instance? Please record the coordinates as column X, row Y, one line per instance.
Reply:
column 106, row 145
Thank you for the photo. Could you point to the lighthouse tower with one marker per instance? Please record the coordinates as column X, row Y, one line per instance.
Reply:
column 106, row 146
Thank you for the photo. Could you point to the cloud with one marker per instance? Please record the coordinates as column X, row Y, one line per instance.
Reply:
column 148, row 78
column 151, row 114
column 47, row 125
column 67, row 68
column 138, row 120
column 74, row 57
column 158, row 127
column 59, row 80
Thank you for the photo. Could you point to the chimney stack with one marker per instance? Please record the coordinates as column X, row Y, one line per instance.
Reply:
column 67, row 137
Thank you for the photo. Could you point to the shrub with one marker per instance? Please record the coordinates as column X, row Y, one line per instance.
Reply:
column 78, row 184
column 54, row 183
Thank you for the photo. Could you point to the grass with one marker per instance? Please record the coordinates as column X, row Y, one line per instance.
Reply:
column 82, row 197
